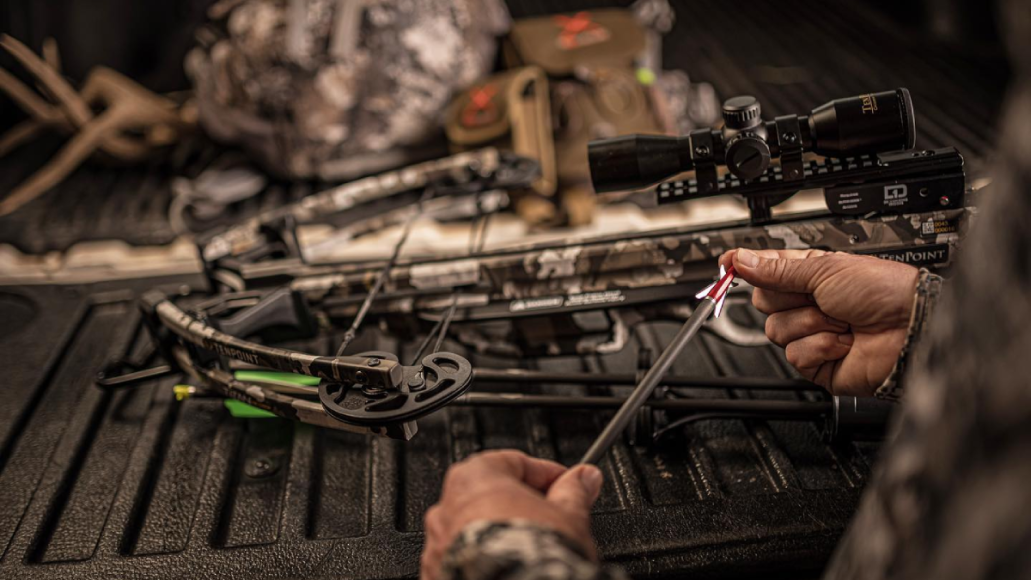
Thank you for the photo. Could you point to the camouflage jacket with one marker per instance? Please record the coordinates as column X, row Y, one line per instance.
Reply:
column 950, row 497
column 928, row 290
column 519, row 550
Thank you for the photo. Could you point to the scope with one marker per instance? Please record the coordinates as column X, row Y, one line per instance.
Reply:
column 870, row 123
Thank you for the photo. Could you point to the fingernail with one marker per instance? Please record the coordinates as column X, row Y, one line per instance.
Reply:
column 591, row 479
column 848, row 338
column 748, row 258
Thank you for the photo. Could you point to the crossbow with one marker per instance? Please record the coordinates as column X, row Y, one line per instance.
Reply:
column 573, row 296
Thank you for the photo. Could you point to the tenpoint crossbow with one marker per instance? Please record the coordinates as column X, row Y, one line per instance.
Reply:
column 883, row 198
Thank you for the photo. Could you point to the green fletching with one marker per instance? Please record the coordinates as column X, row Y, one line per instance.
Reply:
column 242, row 410
column 274, row 377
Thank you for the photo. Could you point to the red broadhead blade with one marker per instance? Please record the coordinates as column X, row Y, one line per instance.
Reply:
column 717, row 291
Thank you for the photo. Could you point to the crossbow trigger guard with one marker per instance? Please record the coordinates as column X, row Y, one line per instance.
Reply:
column 424, row 389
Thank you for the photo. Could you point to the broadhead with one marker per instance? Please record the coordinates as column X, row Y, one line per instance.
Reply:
column 704, row 291
column 717, row 291
column 719, row 307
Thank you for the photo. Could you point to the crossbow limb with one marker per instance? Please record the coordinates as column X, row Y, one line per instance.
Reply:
column 367, row 390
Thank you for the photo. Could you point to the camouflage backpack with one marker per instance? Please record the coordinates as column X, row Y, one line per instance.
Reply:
column 338, row 88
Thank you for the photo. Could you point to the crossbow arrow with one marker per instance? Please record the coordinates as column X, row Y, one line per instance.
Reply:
column 266, row 282
column 712, row 296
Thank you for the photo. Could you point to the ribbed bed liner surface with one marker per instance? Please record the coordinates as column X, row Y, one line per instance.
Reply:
column 134, row 483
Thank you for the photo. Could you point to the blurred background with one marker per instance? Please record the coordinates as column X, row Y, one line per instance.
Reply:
column 791, row 55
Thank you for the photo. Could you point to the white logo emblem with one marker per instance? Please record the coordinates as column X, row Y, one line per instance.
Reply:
column 895, row 195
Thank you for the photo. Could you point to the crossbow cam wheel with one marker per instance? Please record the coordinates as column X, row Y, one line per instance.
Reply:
column 424, row 389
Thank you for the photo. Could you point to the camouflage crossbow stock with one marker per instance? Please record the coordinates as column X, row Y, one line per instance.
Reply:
column 539, row 299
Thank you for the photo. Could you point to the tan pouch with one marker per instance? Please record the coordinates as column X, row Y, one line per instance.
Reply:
column 510, row 110
column 606, row 103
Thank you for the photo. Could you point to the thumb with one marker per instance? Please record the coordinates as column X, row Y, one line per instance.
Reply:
column 781, row 274
column 576, row 489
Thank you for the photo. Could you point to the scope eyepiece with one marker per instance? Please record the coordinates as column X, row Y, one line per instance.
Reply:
column 870, row 123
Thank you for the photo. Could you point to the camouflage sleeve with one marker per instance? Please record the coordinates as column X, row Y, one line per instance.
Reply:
column 949, row 496
column 928, row 289
column 519, row 550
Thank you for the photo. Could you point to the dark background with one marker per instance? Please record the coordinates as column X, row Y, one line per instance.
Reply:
column 147, row 40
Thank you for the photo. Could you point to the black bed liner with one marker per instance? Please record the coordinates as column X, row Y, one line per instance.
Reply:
column 134, row 483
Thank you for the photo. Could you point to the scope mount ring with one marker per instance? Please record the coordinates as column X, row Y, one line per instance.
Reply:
column 424, row 388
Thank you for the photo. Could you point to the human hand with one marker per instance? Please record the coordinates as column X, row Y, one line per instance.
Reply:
column 841, row 318
column 507, row 485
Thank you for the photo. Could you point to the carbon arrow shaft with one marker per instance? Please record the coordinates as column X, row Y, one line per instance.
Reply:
column 643, row 391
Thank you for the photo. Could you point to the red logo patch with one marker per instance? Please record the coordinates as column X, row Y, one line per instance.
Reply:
column 481, row 108
column 578, row 31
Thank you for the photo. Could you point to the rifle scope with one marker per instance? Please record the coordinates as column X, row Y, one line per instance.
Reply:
column 870, row 123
